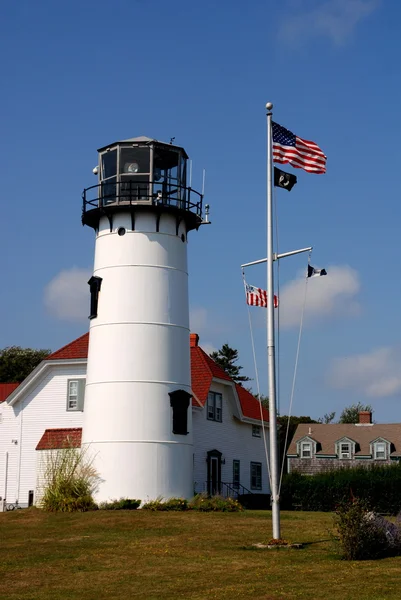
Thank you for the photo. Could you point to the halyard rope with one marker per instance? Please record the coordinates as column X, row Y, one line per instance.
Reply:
column 258, row 386
column 294, row 377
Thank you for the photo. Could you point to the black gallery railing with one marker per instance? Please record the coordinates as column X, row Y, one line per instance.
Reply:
column 108, row 193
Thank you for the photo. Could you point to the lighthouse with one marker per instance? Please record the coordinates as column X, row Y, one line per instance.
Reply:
column 137, row 417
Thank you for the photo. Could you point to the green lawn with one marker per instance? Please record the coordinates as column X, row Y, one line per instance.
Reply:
column 155, row 556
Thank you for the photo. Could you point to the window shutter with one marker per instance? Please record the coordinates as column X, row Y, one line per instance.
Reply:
column 179, row 402
column 95, row 284
column 81, row 394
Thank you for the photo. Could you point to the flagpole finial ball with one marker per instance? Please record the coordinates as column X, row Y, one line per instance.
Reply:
column 269, row 105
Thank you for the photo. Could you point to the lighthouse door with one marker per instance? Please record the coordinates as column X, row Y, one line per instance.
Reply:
column 214, row 472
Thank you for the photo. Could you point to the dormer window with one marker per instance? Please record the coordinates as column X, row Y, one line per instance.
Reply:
column 345, row 450
column 380, row 451
column 306, row 450
column 306, row 447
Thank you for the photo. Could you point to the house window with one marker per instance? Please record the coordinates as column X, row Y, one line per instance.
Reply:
column 236, row 473
column 380, row 451
column 256, row 431
column 256, row 476
column 215, row 407
column 306, row 450
column 345, row 450
column 75, row 394
column 94, row 286
column 179, row 402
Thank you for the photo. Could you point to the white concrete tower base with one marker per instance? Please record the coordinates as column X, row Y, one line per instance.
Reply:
column 138, row 354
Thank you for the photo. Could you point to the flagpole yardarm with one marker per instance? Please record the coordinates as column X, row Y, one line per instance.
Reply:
column 274, row 467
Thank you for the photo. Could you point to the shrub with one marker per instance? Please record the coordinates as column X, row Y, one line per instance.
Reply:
column 121, row 504
column 174, row 504
column 364, row 535
column 69, row 480
column 205, row 503
column 378, row 486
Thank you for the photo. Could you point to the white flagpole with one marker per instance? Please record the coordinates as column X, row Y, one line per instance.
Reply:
column 274, row 466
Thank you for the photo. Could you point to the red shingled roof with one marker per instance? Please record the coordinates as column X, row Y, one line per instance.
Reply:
column 6, row 389
column 53, row 439
column 76, row 349
column 250, row 405
column 203, row 370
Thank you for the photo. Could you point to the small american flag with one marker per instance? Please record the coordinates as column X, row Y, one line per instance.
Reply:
column 302, row 154
column 257, row 297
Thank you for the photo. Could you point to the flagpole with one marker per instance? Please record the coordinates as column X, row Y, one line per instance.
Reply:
column 274, row 466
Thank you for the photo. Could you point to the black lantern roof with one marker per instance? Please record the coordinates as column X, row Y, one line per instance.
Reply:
column 143, row 139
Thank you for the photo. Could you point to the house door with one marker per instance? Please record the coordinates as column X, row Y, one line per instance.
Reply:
column 214, row 472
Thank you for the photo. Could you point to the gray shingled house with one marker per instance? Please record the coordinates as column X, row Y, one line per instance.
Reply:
column 316, row 447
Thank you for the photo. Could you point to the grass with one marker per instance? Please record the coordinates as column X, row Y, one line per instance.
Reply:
column 192, row 556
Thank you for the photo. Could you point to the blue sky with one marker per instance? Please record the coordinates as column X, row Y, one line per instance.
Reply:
column 79, row 75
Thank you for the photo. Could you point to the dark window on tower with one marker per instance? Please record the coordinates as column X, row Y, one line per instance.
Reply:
column 179, row 402
column 94, row 285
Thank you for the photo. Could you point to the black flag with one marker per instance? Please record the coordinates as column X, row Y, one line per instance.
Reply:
column 312, row 272
column 284, row 180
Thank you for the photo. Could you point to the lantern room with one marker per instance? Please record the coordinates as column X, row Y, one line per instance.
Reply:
column 141, row 172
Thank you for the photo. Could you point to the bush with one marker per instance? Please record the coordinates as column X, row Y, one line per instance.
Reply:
column 378, row 486
column 200, row 502
column 69, row 480
column 204, row 503
column 175, row 504
column 121, row 504
column 364, row 535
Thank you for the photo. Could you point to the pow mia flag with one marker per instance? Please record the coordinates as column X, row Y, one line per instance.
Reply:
column 284, row 180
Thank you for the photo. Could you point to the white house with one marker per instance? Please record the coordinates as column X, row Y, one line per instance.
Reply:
column 47, row 408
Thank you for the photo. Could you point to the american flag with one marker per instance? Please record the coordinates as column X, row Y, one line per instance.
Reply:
column 257, row 297
column 302, row 154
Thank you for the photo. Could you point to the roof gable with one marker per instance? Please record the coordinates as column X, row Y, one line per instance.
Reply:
column 346, row 439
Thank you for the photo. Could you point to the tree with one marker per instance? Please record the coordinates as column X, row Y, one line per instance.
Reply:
column 327, row 418
column 225, row 358
column 16, row 363
column 350, row 414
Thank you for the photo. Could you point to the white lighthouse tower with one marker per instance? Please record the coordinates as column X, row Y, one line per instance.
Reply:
column 137, row 417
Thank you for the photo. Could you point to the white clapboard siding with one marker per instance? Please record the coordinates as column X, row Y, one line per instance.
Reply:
column 233, row 439
column 8, row 439
column 45, row 407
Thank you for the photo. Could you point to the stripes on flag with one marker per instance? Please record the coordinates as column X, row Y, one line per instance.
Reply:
column 301, row 154
column 257, row 297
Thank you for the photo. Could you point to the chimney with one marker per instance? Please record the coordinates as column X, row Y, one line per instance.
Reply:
column 193, row 340
column 365, row 417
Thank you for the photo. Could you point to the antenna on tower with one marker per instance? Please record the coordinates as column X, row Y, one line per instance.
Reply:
column 172, row 140
column 203, row 182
